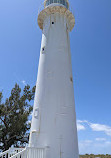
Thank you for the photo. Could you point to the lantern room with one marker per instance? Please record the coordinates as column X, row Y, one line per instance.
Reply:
column 64, row 3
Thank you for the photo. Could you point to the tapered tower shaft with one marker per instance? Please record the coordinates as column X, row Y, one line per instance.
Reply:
column 54, row 119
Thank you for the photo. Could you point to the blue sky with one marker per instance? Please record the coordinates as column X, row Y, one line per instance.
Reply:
column 20, row 40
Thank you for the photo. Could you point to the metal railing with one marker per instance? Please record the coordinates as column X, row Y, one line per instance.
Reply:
column 9, row 153
column 41, row 7
column 35, row 152
column 63, row 2
column 24, row 153
column 4, row 154
column 21, row 154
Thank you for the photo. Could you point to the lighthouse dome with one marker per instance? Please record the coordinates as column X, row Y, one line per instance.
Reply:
column 65, row 3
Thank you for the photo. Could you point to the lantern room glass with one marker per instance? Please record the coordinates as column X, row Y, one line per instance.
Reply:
column 63, row 2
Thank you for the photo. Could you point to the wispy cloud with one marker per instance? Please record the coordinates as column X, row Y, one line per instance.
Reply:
column 100, row 139
column 82, row 125
column 101, row 145
column 82, row 121
column 23, row 82
column 101, row 128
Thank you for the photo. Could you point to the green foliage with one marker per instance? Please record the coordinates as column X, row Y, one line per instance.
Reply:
column 14, row 114
column 95, row 156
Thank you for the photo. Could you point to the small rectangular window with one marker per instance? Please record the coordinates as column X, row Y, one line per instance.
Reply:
column 51, row 1
column 48, row 2
column 63, row 2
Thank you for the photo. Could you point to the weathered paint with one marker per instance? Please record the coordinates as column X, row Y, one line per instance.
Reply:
column 54, row 125
column 56, row 8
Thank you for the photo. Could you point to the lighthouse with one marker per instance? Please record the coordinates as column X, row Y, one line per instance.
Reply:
column 53, row 124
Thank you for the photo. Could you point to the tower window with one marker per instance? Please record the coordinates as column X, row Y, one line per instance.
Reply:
column 43, row 49
column 52, row 22
column 71, row 79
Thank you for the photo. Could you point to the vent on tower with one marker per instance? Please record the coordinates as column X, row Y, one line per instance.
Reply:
column 63, row 2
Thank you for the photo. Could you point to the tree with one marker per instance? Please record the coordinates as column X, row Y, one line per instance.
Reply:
column 14, row 115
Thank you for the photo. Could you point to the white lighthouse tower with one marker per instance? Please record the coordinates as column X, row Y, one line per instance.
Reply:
column 54, row 119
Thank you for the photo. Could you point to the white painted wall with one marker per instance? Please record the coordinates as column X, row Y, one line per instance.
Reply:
column 54, row 117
